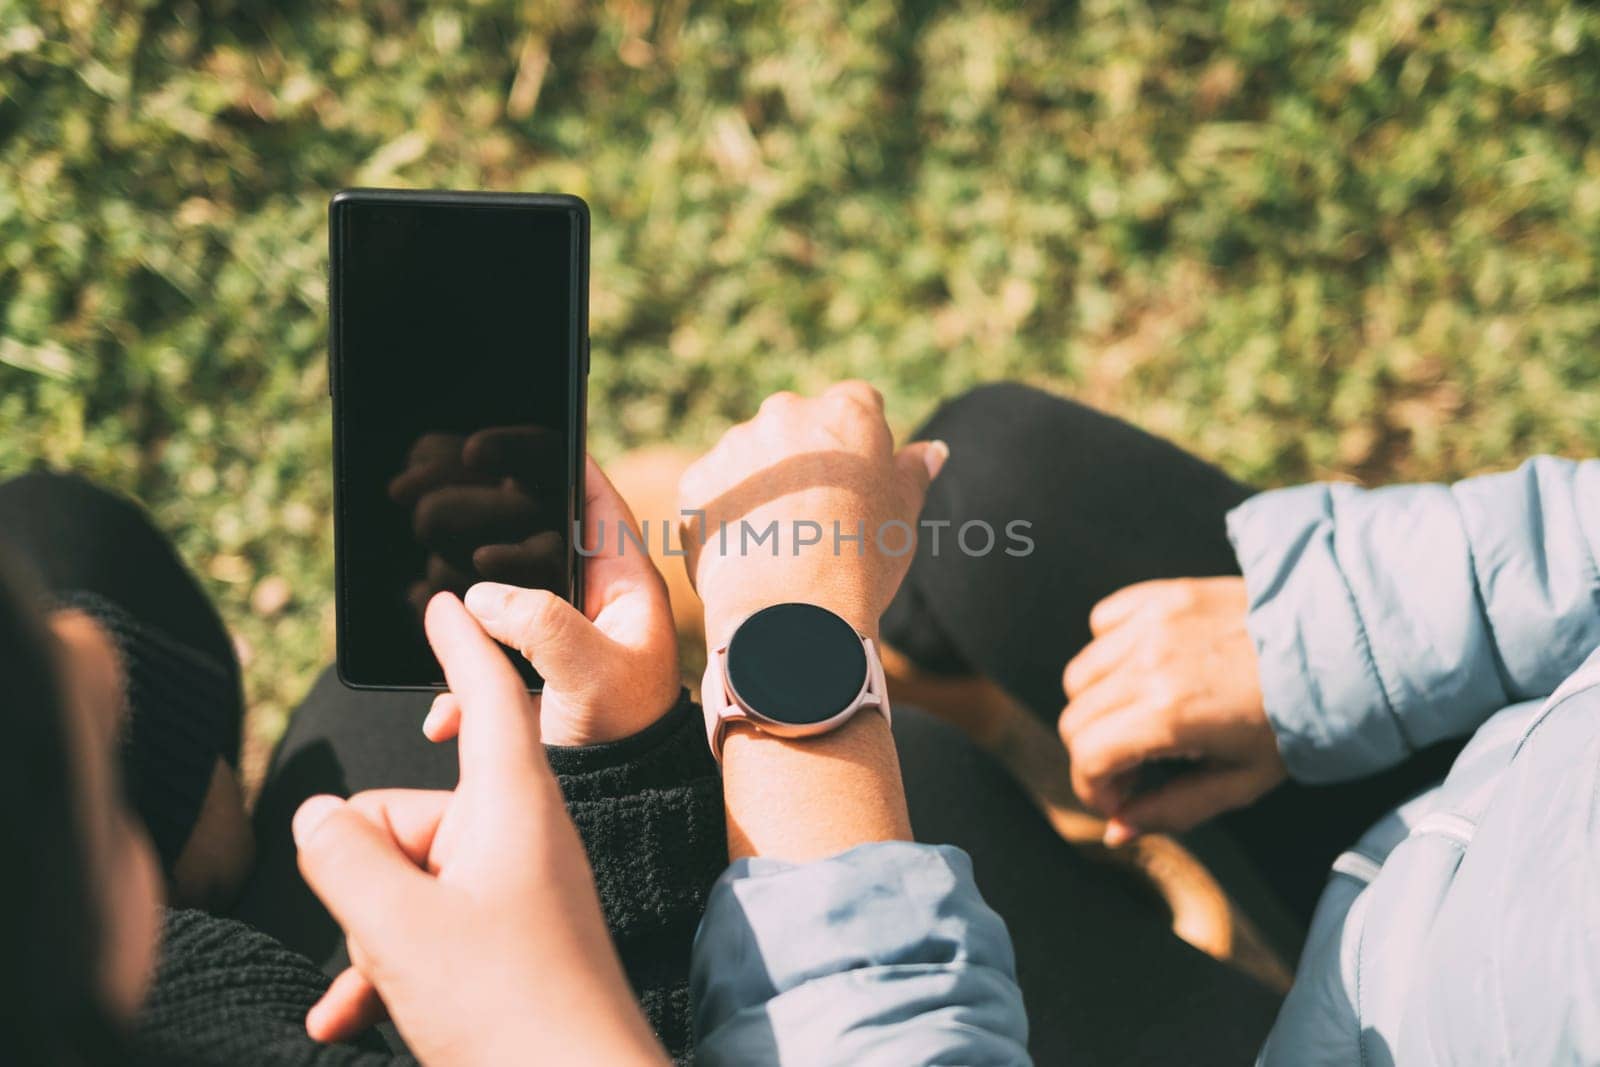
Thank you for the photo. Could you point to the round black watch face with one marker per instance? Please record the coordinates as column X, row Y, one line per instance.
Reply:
column 796, row 663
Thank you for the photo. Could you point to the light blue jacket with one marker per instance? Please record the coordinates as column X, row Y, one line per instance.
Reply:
column 1465, row 926
column 1462, row 928
column 885, row 954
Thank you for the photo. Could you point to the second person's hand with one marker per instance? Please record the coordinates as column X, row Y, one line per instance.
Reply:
column 815, row 471
column 1171, row 674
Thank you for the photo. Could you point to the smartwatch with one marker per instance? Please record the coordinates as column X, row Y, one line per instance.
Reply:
column 791, row 670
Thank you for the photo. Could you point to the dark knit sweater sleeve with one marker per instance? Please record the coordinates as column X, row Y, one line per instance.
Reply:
column 225, row 994
column 649, row 809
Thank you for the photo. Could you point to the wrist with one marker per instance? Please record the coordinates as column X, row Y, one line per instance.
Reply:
column 802, row 799
column 729, row 603
column 808, row 763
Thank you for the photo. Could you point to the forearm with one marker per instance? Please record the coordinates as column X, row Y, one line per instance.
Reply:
column 818, row 465
column 804, row 800
column 800, row 800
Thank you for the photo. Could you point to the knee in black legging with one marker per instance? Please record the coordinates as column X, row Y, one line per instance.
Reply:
column 77, row 537
column 60, row 493
column 1098, row 503
column 1015, row 413
column 991, row 429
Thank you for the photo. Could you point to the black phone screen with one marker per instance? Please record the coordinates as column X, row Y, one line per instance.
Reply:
column 458, row 341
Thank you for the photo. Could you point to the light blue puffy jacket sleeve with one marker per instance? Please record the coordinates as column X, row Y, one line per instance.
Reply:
column 1387, row 619
column 885, row 954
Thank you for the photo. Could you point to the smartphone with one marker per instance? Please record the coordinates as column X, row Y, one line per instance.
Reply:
column 458, row 360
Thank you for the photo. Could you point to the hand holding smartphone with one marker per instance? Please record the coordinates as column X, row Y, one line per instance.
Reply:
column 458, row 345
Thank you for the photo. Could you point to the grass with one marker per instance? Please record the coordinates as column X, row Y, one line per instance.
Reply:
column 1306, row 239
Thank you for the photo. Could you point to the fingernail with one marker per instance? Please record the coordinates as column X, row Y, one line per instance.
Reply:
column 1118, row 834
column 935, row 455
column 436, row 715
column 487, row 600
column 312, row 814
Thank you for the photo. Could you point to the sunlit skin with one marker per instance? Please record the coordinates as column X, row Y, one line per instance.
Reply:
column 1171, row 673
column 471, row 915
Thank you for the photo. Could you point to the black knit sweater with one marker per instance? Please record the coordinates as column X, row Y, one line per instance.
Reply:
column 227, row 994
column 650, row 812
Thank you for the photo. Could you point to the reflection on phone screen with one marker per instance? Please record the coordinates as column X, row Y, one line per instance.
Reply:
column 457, row 334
